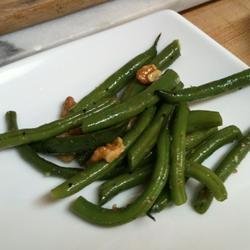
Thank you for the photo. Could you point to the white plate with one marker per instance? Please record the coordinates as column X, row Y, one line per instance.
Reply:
column 36, row 86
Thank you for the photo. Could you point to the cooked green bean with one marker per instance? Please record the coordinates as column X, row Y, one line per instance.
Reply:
column 117, row 80
column 123, row 182
column 28, row 154
column 24, row 136
column 203, row 119
column 162, row 201
column 148, row 138
column 133, row 88
column 164, row 59
column 229, row 83
column 132, row 106
column 98, row 170
column 123, row 169
column 167, row 56
column 217, row 140
column 109, row 217
column 79, row 143
column 195, row 138
column 177, row 170
column 208, row 178
column 224, row 169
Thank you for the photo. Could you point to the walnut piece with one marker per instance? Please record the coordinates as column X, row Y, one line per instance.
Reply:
column 67, row 106
column 148, row 74
column 109, row 152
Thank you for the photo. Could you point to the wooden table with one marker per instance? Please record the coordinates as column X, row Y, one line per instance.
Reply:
column 226, row 21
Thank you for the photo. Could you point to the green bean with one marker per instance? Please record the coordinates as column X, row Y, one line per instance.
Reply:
column 109, row 217
column 148, row 138
column 195, row 138
column 123, row 182
column 224, row 169
column 25, row 136
column 203, row 119
column 167, row 56
column 162, row 201
column 29, row 155
column 217, row 140
column 177, row 170
column 230, row 83
column 98, row 170
column 79, row 143
column 99, row 105
column 132, row 89
column 148, row 159
column 208, row 178
column 132, row 106
column 164, row 59
column 117, row 80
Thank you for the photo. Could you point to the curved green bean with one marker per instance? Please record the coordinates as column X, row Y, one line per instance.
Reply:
column 177, row 170
column 203, row 119
column 233, row 82
column 208, row 178
column 25, row 136
column 225, row 168
column 109, row 217
column 162, row 201
column 98, row 170
column 28, row 154
column 123, row 182
column 132, row 106
column 217, row 140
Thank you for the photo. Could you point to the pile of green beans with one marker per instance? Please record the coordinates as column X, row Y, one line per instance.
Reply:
column 165, row 143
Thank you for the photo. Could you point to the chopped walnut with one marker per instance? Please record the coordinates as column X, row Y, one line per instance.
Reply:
column 148, row 74
column 67, row 106
column 109, row 152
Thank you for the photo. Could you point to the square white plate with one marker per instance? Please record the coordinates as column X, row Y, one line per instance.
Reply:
column 36, row 86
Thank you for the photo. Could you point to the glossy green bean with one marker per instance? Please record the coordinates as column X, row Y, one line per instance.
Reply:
column 163, row 201
column 233, row 82
column 217, row 140
column 195, row 138
column 117, row 80
column 109, row 217
column 167, row 56
column 98, row 170
column 177, row 170
column 123, row 168
column 29, row 155
column 149, row 137
column 79, row 143
column 203, row 119
column 123, row 182
column 208, row 178
column 132, row 106
column 225, row 168
column 43, row 132
column 164, row 59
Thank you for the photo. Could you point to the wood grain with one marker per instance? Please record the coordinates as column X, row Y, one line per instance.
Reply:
column 17, row 14
column 226, row 21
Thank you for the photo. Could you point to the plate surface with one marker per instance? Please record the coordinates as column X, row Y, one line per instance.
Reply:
column 36, row 86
